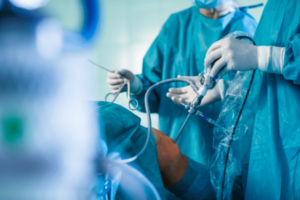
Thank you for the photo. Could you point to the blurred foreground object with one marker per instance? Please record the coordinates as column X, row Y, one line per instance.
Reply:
column 29, row 4
column 46, row 127
column 122, row 137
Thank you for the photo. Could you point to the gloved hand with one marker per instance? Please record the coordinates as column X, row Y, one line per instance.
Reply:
column 185, row 95
column 116, row 80
column 231, row 54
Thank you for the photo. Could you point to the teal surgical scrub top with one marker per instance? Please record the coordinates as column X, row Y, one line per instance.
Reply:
column 180, row 49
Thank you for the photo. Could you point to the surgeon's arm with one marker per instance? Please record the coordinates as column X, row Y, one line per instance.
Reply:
column 234, row 55
column 291, row 69
column 152, row 70
column 282, row 60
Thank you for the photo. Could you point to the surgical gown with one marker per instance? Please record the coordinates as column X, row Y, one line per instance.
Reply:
column 180, row 49
column 122, row 133
column 274, row 167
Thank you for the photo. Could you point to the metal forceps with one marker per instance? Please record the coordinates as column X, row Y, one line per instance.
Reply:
column 123, row 86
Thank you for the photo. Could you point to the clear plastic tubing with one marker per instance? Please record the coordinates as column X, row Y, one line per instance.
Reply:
column 211, row 121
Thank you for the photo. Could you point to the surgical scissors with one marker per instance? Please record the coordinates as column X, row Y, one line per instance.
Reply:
column 125, row 84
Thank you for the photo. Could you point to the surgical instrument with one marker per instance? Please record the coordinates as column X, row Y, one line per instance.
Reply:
column 123, row 87
column 208, row 83
column 199, row 113
column 101, row 66
column 185, row 80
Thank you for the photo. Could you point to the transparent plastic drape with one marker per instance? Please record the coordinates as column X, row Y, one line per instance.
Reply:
column 237, row 116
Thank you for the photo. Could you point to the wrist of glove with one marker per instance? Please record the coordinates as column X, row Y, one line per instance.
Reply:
column 136, row 86
column 271, row 59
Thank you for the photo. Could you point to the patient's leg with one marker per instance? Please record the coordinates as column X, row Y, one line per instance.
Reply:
column 161, row 162
column 182, row 176
column 172, row 163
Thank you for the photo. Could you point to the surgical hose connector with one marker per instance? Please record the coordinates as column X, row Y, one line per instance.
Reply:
column 207, row 81
column 196, row 104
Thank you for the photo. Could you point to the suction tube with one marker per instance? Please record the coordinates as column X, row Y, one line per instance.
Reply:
column 149, row 114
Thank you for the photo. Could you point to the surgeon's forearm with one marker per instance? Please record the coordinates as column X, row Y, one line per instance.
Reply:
column 271, row 59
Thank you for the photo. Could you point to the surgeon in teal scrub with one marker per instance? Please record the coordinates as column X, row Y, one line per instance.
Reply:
column 180, row 49
column 274, row 165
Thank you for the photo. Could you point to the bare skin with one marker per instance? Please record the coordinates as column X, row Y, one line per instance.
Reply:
column 210, row 13
column 172, row 163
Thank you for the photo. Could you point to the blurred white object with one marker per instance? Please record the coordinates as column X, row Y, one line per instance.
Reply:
column 49, row 38
column 29, row 4
column 46, row 127
column 130, row 180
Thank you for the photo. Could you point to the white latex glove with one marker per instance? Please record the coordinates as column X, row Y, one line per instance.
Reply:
column 115, row 81
column 186, row 94
column 231, row 55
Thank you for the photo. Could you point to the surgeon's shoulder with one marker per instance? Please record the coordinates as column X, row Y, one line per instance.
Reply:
column 181, row 18
column 244, row 22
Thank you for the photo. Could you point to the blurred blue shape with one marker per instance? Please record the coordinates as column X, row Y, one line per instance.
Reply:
column 90, row 27
column 74, row 40
column 91, row 21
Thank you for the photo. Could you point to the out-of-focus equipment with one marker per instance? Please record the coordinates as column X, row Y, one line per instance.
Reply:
column 46, row 127
column 135, row 184
column 113, row 176
column 119, row 139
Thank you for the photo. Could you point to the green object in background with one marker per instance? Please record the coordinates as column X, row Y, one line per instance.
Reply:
column 12, row 129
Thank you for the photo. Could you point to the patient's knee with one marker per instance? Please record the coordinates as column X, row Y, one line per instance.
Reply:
column 172, row 163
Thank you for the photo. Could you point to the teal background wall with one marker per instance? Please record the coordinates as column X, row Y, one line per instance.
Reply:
column 128, row 29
